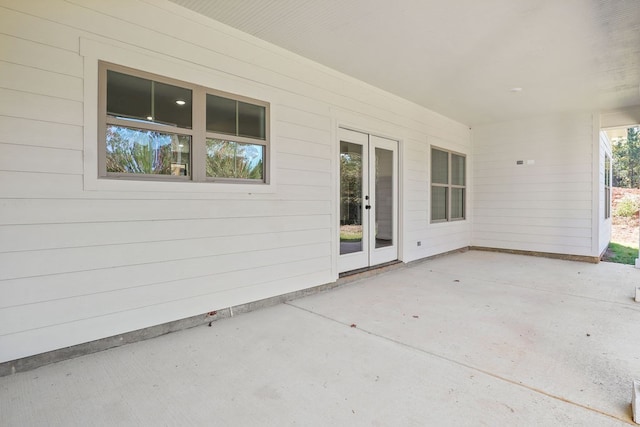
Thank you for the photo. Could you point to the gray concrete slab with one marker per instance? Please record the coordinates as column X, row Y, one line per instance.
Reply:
column 477, row 338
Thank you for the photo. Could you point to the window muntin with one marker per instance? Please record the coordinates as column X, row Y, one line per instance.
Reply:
column 157, row 128
column 448, row 186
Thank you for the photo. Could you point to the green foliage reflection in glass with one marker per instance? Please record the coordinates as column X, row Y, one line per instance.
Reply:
column 350, row 184
column 230, row 159
column 138, row 151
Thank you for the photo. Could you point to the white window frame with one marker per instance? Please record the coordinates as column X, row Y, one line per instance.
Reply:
column 448, row 186
column 198, row 131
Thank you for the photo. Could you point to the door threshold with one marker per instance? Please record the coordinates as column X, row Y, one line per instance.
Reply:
column 382, row 266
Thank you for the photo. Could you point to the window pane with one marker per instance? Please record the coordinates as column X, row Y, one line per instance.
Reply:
column 438, row 203
column 457, row 170
column 142, row 99
column 457, row 203
column 251, row 120
column 128, row 96
column 350, row 198
column 384, row 197
column 439, row 166
column 229, row 159
column 172, row 105
column 221, row 115
column 138, row 151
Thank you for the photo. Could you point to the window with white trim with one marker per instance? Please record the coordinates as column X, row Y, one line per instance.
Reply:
column 448, row 186
column 156, row 128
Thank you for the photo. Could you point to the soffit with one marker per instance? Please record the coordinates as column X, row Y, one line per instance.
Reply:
column 461, row 58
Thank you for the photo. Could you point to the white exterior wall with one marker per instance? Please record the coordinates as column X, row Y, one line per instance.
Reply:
column 605, row 224
column 82, row 258
column 435, row 238
column 549, row 206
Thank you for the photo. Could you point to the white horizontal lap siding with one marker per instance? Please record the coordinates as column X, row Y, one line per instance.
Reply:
column 39, row 56
column 545, row 206
column 303, row 144
column 434, row 238
column 25, row 237
column 57, row 335
column 40, row 119
column 415, row 193
column 212, row 269
column 79, row 265
column 56, row 261
column 57, row 311
column 55, row 211
column 40, row 133
column 21, row 158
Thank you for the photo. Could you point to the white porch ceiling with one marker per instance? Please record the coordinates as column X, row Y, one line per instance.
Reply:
column 462, row 58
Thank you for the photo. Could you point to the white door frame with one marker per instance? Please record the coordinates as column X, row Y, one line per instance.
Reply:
column 371, row 255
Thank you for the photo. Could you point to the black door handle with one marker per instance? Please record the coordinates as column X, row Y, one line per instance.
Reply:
column 367, row 207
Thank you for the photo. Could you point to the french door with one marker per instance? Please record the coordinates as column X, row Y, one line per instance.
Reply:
column 368, row 200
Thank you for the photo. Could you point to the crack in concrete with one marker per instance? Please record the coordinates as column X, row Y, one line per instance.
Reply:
column 465, row 365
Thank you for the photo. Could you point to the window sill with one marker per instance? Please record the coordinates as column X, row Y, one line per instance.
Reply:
column 451, row 221
column 182, row 187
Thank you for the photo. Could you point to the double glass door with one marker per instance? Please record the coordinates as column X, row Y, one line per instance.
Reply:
column 368, row 200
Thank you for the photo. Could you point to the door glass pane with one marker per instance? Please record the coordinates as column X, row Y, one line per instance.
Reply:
column 384, row 197
column 457, row 203
column 350, row 198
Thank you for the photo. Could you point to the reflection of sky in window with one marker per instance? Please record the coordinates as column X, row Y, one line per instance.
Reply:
column 250, row 153
column 253, row 154
column 133, row 137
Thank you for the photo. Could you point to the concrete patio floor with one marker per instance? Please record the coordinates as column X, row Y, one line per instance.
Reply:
column 475, row 338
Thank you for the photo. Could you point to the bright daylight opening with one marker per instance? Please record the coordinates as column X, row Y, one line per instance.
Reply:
column 622, row 193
